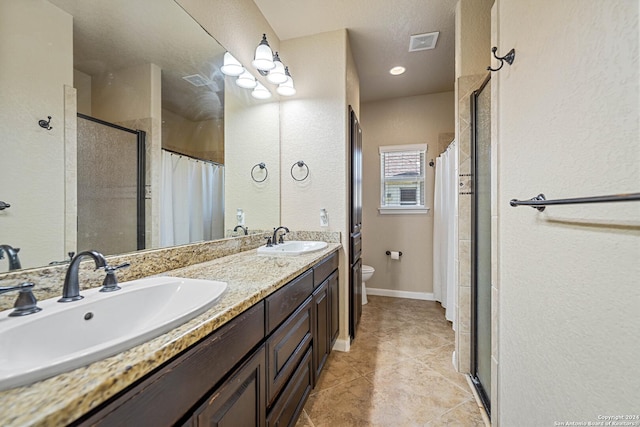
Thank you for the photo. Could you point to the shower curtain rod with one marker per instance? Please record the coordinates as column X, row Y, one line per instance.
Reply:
column 540, row 202
column 194, row 158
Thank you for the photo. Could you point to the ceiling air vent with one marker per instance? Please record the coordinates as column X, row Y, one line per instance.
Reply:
column 197, row 80
column 423, row 41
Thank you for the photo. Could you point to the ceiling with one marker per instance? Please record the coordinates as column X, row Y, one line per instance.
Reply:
column 118, row 34
column 379, row 32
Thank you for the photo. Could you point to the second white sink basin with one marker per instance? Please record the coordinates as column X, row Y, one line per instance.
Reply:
column 66, row 336
column 292, row 247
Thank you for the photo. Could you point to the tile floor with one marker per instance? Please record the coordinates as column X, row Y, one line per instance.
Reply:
column 398, row 373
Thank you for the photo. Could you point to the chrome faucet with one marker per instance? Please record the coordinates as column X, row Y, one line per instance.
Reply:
column 26, row 302
column 275, row 234
column 71, row 287
column 12, row 255
column 245, row 229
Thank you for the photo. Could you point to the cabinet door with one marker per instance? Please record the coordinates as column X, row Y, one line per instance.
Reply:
column 355, row 296
column 321, row 338
column 241, row 400
column 334, row 307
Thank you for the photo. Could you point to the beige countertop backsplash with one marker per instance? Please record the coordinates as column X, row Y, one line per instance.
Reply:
column 250, row 277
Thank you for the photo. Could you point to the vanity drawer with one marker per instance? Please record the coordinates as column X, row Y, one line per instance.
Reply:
column 155, row 400
column 286, row 347
column 285, row 300
column 324, row 269
column 289, row 405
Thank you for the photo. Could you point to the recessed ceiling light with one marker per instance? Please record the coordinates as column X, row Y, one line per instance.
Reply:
column 396, row 71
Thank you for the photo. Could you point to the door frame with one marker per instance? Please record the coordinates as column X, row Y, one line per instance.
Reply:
column 482, row 393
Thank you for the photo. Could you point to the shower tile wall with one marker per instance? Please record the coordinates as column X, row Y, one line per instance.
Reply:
column 464, row 88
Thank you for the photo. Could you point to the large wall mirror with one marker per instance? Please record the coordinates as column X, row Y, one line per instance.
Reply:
column 115, row 76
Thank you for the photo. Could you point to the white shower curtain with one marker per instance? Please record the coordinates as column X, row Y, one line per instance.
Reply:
column 192, row 202
column 444, row 232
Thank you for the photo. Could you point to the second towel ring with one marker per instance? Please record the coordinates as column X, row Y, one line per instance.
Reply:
column 262, row 166
column 300, row 164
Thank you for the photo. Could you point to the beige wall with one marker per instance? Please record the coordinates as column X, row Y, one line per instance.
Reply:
column 473, row 33
column 244, row 125
column 35, row 222
column 82, row 83
column 411, row 120
column 567, row 126
column 203, row 139
column 314, row 129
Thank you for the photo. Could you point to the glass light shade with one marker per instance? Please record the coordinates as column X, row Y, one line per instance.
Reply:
column 286, row 88
column 277, row 75
column 246, row 80
column 263, row 58
column 231, row 67
column 396, row 71
column 261, row 92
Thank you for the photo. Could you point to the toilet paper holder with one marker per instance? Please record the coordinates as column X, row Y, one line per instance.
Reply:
column 389, row 253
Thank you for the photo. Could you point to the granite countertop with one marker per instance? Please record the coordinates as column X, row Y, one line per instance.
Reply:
column 64, row 398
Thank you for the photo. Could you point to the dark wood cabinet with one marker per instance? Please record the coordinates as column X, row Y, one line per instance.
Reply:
column 321, row 325
column 170, row 392
column 239, row 401
column 256, row 370
column 355, row 223
column 287, row 409
column 355, row 297
column 286, row 347
column 334, row 305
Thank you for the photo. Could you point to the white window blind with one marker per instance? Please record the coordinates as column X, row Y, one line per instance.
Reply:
column 402, row 178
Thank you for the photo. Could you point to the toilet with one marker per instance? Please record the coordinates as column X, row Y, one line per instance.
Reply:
column 367, row 272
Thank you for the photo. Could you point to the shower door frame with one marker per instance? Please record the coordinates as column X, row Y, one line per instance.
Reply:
column 141, row 137
column 482, row 392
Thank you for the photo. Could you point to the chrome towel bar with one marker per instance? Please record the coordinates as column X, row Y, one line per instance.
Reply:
column 540, row 202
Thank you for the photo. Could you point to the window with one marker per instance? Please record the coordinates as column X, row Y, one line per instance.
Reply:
column 402, row 179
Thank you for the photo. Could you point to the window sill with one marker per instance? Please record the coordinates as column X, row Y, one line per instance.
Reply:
column 403, row 211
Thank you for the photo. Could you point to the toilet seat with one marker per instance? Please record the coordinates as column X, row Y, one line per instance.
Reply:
column 367, row 269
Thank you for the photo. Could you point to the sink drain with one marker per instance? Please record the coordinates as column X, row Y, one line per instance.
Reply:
column 88, row 316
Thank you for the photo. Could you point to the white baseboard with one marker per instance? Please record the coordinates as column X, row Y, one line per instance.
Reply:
column 427, row 296
column 342, row 345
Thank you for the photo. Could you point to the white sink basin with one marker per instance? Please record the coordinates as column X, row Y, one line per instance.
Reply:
column 293, row 247
column 66, row 336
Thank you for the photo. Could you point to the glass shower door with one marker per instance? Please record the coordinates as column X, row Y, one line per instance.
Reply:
column 110, row 187
column 481, row 243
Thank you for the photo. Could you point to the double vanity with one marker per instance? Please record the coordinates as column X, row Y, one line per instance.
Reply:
column 250, row 359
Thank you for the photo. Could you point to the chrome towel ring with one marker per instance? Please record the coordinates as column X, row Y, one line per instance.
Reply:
column 262, row 167
column 300, row 164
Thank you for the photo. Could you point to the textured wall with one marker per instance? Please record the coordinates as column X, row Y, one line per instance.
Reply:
column 313, row 128
column 412, row 120
column 473, row 35
column 252, row 136
column 32, row 87
column 567, row 117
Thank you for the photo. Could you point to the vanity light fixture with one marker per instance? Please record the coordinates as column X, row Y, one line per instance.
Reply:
column 263, row 58
column 286, row 88
column 277, row 75
column 260, row 92
column 231, row 67
column 246, row 80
